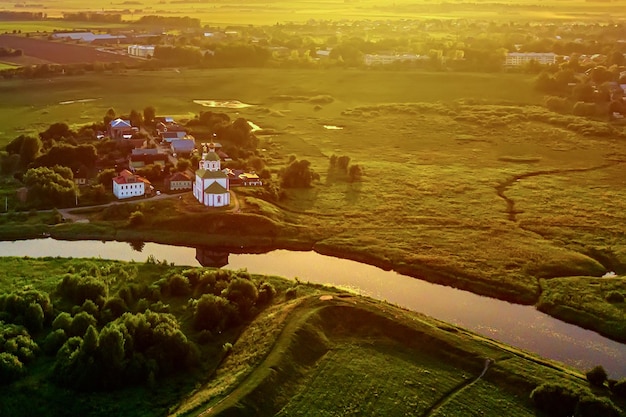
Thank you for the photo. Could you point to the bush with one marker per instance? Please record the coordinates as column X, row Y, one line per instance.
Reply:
column 211, row 313
column 80, row 323
column 53, row 342
column 291, row 293
column 619, row 389
column 615, row 297
column 11, row 368
column 597, row 376
column 266, row 293
column 556, row 400
column 591, row 406
column 62, row 321
column 136, row 218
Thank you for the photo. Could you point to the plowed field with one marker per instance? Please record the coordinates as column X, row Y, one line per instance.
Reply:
column 60, row 53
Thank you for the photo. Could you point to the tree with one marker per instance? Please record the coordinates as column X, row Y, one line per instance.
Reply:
column 10, row 368
column 109, row 117
column 183, row 164
column 136, row 218
column 343, row 162
column 355, row 173
column 149, row 113
column 297, row 174
column 592, row 406
column 135, row 118
column 596, row 376
column 29, row 149
column 556, row 400
column 105, row 177
column 50, row 186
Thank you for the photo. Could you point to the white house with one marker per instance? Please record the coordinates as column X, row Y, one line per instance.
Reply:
column 521, row 58
column 211, row 185
column 128, row 185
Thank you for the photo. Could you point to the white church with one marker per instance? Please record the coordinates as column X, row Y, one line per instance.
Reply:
column 211, row 185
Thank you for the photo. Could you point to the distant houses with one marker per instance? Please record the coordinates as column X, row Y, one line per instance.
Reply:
column 514, row 59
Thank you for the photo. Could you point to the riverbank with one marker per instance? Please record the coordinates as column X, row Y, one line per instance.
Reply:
column 249, row 233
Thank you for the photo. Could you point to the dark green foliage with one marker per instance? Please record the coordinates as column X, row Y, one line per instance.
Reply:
column 212, row 313
column 16, row 341
column 297, row 174
column 30, row 308
column 11, row 368
column 266, row 293
column 50, row 186
column 136, row 218
column 591, row 406
column 243, row 294
column 114, row 308
column 128, row 350
column 615, row 297
column 80, row 287
column 556, row 400
column 619, row 389
column 178, row 285
column 80, row 323
column 597, row 376
column 53, row 342
column 63, row 321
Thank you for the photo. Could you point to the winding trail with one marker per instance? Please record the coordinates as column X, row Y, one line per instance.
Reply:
column 449, row 396
column 510, row 203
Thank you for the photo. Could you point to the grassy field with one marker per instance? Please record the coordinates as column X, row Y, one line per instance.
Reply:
column 271, row 12
column 466, row 181
column 338, row 356
column 318, row 352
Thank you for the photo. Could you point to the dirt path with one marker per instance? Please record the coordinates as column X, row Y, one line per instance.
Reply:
column 296, row 319
column 450, row 395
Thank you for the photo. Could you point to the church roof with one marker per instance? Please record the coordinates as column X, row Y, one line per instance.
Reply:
column 211, row 156
column 206, row 174
column 215, row 188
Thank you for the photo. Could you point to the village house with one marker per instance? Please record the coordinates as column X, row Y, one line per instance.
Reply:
column 211, row 184
column 127, row 185
column 120, row 129
column 140, row 158
column 182, row 146
column 178, row 181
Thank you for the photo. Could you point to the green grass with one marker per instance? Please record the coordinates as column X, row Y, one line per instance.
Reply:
column 361, row 379
column 251, row 12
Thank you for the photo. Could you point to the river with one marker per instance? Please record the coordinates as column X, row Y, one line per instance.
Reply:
column 520, row 326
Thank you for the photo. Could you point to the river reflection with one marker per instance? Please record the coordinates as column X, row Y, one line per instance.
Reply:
column 516, row 325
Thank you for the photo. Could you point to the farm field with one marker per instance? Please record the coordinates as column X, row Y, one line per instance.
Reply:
column 271, row 12
column 59, row 52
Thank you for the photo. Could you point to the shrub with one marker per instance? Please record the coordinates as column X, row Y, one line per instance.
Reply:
column 592, row 406
column 211, row 313
column 80, row 323
column 615, row 297
column 53, row 342
column 10, row 368
column 556, row 400
column 62, row 321
column 619, row 389
column 291, row 293
column 266, row 293
column 596, row 376
column 136, row 218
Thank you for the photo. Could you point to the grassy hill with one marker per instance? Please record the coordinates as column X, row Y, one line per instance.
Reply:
column 312, row 350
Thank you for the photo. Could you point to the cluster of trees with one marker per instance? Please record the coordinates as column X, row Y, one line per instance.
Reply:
column 234, row 135
column 565, row 400
column 342, row 165
column 107, row 332
column 21, row 16
column 297, row 174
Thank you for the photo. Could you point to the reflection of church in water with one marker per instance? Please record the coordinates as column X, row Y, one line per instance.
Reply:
column 208, row 257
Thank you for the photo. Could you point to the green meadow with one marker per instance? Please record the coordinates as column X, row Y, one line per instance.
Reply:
column 468, row 180
column 240, row 12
